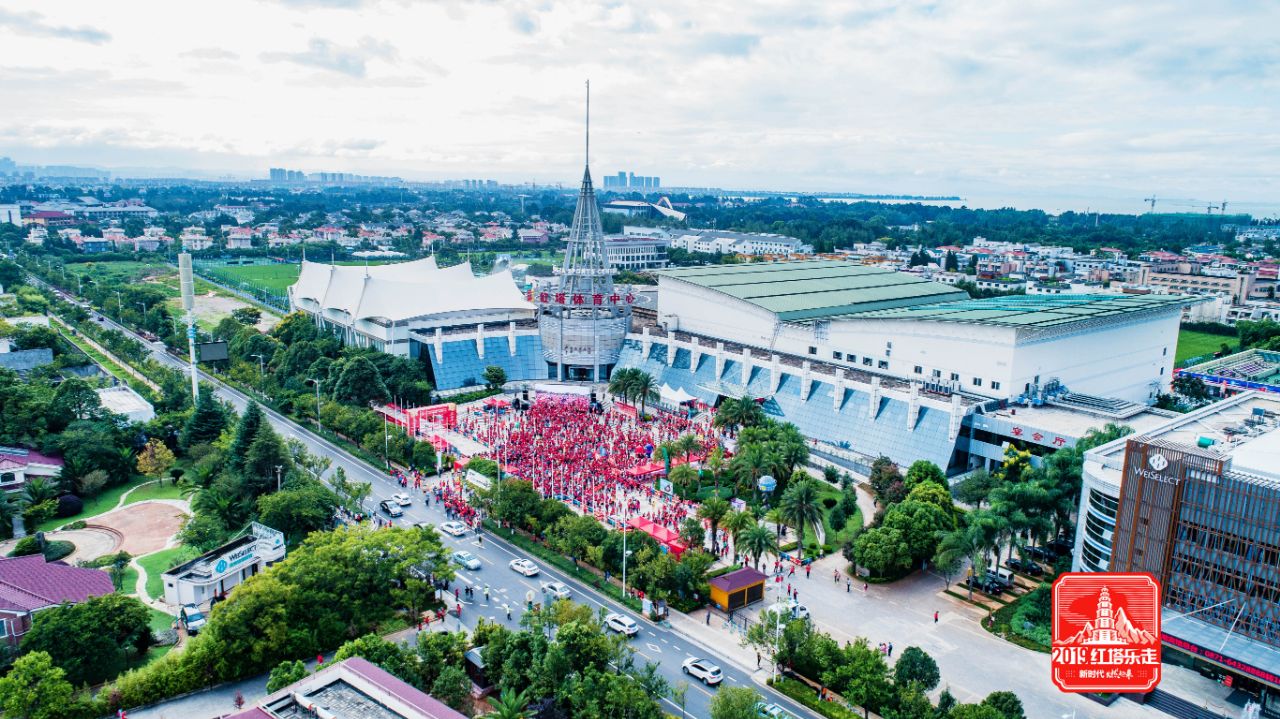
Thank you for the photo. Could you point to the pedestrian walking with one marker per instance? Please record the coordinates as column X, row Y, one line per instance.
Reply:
column 757, row 660
column 848, row 586
column 864, row 587
column 708, row 617
column 507, row 608
column 486, row 592
column 455, row 593
column 935, row 617
column 808, row 569
column 890, row 648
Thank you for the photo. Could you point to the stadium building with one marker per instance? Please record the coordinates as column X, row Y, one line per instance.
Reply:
column 1253, row 369
column 460, row 323
column 870, row 362
column 1195, row 501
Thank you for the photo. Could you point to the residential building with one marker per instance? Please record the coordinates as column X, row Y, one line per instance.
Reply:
column 194, row 239
column 29, row 584
column 240, row 238
column 17, row 465
column 740, row 243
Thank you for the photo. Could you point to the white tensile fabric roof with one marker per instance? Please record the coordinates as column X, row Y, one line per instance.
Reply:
column 405, row 290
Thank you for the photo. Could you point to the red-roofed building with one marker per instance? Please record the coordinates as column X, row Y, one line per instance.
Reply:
column 17, row 465
column 354, row 688
column 29, row 584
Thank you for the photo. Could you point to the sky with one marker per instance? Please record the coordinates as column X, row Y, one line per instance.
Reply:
column 1060, row 105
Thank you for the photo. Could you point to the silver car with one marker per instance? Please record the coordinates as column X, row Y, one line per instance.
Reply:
column 466, row 560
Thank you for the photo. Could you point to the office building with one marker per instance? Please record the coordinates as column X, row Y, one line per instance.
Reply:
column 216, row 573
column 636, row 252
column 1196, row 502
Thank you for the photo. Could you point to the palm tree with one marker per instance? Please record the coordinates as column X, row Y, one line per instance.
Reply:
column 622, row 382
column 713, row 510
column 738, row 412
column 777, row 519
column 801, row 506
column 38, row 489
column 715, row 464
column 509, row 705
column 687, row 445
column 736, row 523
column 758, row 541
column 645, row 387
column 958, row 544
column 749, row 465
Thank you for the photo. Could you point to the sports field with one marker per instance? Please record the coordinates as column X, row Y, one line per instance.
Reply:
column 275, row 278
column 1198, row 344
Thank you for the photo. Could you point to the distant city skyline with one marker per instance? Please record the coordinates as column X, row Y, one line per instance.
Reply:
column 1064, row 106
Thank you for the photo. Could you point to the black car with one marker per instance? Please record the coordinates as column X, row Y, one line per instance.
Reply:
column 1040, row 553
column 1026, row 566
column 988, row 585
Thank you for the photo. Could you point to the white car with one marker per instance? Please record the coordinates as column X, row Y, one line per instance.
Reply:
column 525, row 567
column 402, row 499
column 556, row 590
column 456, row 529
column 702, row 670
column 790, row 610
column 466, row 560
column 622, row 624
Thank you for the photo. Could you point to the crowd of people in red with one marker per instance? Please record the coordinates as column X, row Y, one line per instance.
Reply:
column 581, row 455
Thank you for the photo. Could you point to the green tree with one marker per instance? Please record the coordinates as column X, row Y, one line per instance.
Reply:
column 516, row 502
column 360, row 383
column 883, row 550
column 736, row 412
column 390, row 656
column 36, row 689
column 509, row 704
column 757, row 541
column 860, row 676
column 736, row 523
column 974, row 489
column 74, row 399
column 265, row 454
column 155, row 459
column 801, row 508
column 90, row 640
column 692, row 533
column 246, row 315
column 1007, row 703
column 246, row 432
column 916, row 666
column 911, row 703
column 735, row 703
column 494, row 376
column 975, row 711
column 286, row 673
column 1192, row 388
column 202, row 532
column 919, row 523
column 299, row 509
column 453, row 687
column 922, row 471
column 713, row 510
column 206, row 422
column 886, row 481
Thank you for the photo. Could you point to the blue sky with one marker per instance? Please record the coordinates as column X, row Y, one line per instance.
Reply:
column 1062, row 104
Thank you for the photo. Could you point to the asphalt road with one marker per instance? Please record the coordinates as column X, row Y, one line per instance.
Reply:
column 655, row 643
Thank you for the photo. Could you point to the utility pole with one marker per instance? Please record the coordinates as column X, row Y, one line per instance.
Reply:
column 278, row 468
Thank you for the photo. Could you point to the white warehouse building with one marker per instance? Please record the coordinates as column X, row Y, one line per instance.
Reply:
column 870, row 362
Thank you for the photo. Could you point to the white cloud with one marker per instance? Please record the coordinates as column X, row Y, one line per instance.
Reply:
column 974, row 97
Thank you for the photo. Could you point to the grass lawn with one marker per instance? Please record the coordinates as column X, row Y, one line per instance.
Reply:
column 158, row 563
column 1198, row 344
column 154, row 490
column 160, row 621
column 836, row 536
column 116, row 273
column 129, row 581
column 275, row 278
column 105, row 501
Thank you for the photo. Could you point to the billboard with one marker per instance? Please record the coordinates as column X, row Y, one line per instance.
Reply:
column 211, row 351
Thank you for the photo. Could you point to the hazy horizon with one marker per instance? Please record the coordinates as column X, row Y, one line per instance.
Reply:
column 1064, row 106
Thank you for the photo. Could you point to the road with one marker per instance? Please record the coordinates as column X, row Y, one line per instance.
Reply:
column 655, row 643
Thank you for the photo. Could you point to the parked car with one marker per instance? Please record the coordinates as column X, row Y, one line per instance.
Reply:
column 192, row 619
column 466, row 560
column 391, row 508
column 988, row 584
column 456, row 529
column 702, row 670
column 772, row 711
column 622, row 624
column 402, row 499
column 524, row 566
column 556, row 590
column 1040, row 553
column 1026, row 566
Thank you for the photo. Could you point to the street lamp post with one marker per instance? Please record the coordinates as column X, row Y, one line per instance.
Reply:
column 262, row 367
column 278, row 468
column 316, row 382
column 625, row 553
column 119, row 308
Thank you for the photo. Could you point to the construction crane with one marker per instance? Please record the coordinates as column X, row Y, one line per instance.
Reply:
column 1151, row 201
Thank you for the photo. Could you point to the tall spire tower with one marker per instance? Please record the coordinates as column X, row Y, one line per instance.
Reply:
column 582, row 318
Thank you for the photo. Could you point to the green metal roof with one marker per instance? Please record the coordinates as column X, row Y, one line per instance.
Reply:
column 1031, row 310
column 816, row 289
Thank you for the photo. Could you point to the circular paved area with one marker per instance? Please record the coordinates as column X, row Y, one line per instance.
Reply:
column 90, row 543
column 145, row 526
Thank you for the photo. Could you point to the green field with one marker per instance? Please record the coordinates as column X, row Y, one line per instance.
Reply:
column 154, row 490
column 100, row 503
column 1198, row 344
column 275, row 278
